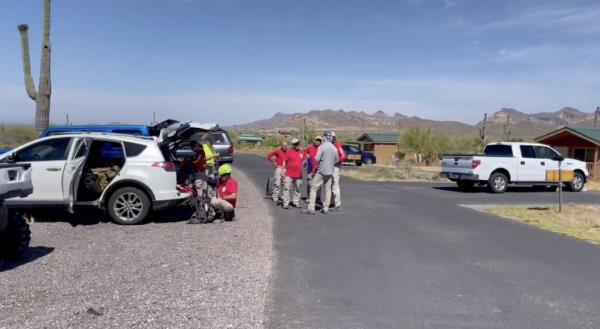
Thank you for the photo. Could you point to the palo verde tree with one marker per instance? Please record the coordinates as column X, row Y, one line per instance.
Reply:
column 41, row 96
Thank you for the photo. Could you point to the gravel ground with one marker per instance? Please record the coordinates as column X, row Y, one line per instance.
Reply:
column 158, row 275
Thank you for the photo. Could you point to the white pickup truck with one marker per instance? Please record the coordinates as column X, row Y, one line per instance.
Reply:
column 502, row 164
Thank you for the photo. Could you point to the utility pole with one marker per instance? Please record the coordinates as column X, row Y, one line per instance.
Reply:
column 67, row 119
column 154, row 118
column 596, row 116
column 507, row 129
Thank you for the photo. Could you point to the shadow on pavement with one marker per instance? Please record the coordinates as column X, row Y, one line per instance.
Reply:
column 32, row 254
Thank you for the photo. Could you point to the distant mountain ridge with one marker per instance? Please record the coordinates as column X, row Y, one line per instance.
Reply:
column 521, row 125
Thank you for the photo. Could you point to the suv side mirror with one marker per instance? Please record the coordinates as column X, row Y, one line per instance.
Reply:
column 10, row 158
column 559, row 158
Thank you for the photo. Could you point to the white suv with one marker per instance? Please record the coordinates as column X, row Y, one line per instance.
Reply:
column 126, row 175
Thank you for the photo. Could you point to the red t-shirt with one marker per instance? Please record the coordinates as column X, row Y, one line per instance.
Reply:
column 295, row 158
column 279, row 156
column 230, row 187
column 199, row 162
column 311, row 152
column 341, row 153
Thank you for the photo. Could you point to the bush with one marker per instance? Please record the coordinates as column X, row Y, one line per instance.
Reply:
column 13, row 136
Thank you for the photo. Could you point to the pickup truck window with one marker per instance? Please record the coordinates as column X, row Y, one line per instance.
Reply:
column 528, row 152
column 542, row 152
column 498, row 150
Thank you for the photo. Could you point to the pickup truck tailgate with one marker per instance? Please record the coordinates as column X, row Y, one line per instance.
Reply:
column 458, row 164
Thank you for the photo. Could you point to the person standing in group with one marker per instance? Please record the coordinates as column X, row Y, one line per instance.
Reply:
column 327, row 157
column 337, row 170
column 278, row 157
column 293, row 175
column 211, row 155
column 311, row 157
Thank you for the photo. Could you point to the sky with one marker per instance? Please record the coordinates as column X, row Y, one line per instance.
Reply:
column 236, row 61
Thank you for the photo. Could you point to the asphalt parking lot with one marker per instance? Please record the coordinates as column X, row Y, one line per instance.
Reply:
column 409, row 256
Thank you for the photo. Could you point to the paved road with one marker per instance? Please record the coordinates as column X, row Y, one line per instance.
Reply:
column 407, row 256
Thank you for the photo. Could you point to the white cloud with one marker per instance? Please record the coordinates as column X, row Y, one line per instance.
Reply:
column 570, row 18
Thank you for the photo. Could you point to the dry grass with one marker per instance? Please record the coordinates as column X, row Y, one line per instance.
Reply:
column 430, row 169
column 393, row 173
column 593, row 185
column 577, row 221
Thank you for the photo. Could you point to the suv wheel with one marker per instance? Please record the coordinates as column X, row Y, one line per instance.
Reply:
column 498, row 183
column 577, row 184
column 368, row 161
column 15, row 239
column 129, row 206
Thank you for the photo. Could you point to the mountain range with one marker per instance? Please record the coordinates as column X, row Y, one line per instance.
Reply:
column 521, row 125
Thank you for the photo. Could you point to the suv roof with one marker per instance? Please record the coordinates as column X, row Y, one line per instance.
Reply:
column 120, row 137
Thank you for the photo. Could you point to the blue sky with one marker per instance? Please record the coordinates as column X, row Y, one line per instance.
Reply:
column 235, row 61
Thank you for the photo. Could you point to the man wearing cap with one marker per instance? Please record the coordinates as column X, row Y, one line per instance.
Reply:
column 227, row 188
column 278, row 157
column 311, row 157
column 327, row 157
column 293, row 174
column 335, row 187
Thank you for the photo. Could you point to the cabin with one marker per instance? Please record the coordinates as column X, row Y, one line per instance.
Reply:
column 577, row 143
column 384, row 146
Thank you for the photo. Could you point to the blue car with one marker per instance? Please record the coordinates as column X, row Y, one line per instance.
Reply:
column 355, row 155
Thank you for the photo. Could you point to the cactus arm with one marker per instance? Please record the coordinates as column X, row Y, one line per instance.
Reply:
column 29, row 86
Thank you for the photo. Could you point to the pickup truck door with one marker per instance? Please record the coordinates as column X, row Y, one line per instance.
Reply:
column 72, row 173
column 47, row 158
column 545, row 157
column 530, row 168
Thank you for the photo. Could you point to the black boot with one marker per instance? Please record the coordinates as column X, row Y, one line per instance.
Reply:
column 229, row 216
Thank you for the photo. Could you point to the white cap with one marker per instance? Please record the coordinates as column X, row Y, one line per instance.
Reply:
column 333, row 134
column 295, row 140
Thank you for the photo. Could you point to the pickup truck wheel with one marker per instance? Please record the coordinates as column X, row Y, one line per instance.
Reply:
column 465, row 186
column 358, row 163
column 577, row 184
column 15, row 239
column 129, row 206
column 498, row 183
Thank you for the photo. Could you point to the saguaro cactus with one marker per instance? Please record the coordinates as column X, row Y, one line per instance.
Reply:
column 44, row 90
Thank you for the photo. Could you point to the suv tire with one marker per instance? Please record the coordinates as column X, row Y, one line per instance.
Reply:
column 577, row 184
column 129, row 206
column 498, row 183
column 15, row 239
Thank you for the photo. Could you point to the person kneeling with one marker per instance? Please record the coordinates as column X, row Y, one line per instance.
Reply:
column 226, row 199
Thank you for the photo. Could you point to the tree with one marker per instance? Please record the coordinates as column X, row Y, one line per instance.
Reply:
column 42, row 95
column 421, row 142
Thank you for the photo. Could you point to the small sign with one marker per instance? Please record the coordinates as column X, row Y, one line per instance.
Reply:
column 552, row 176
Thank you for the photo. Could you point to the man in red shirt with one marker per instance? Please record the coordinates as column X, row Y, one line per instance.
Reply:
column 278, row 157
column 311, row 157
column 227, row 188
column 293, row 174
column 335, row 188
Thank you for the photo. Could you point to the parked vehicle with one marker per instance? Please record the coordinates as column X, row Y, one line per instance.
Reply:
column 511, row 163
column 357, row 156
column 15, row 181
column 126, row 175
column 221, row 141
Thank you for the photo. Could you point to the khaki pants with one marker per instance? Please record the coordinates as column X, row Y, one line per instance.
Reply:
column 292, row 185
column 277, row 182
column 221, row 204
column 318, row 181
column 335, row 187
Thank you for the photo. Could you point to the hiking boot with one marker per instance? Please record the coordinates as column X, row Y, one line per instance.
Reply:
column 194, row 220
column 308, row 212
column 229, row 216
column 285, row 206
column 336, row 209
column 295, row 205
column 325, row 211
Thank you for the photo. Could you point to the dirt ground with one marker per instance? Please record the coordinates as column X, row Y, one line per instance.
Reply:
column 163, row 274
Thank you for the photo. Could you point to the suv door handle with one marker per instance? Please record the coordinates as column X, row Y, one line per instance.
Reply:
column 53, row 169
column 543, row 163
column 522, row 163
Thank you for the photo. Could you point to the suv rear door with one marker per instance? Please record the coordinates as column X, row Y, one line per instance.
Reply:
column 72, row 173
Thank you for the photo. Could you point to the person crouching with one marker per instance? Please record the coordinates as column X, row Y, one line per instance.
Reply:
column 227, row 188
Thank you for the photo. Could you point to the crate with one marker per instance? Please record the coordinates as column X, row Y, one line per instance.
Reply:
column 552, row 176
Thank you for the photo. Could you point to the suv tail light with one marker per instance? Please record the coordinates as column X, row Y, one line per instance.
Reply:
column 167, row 166
column 230, row 150
column 475, row 164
